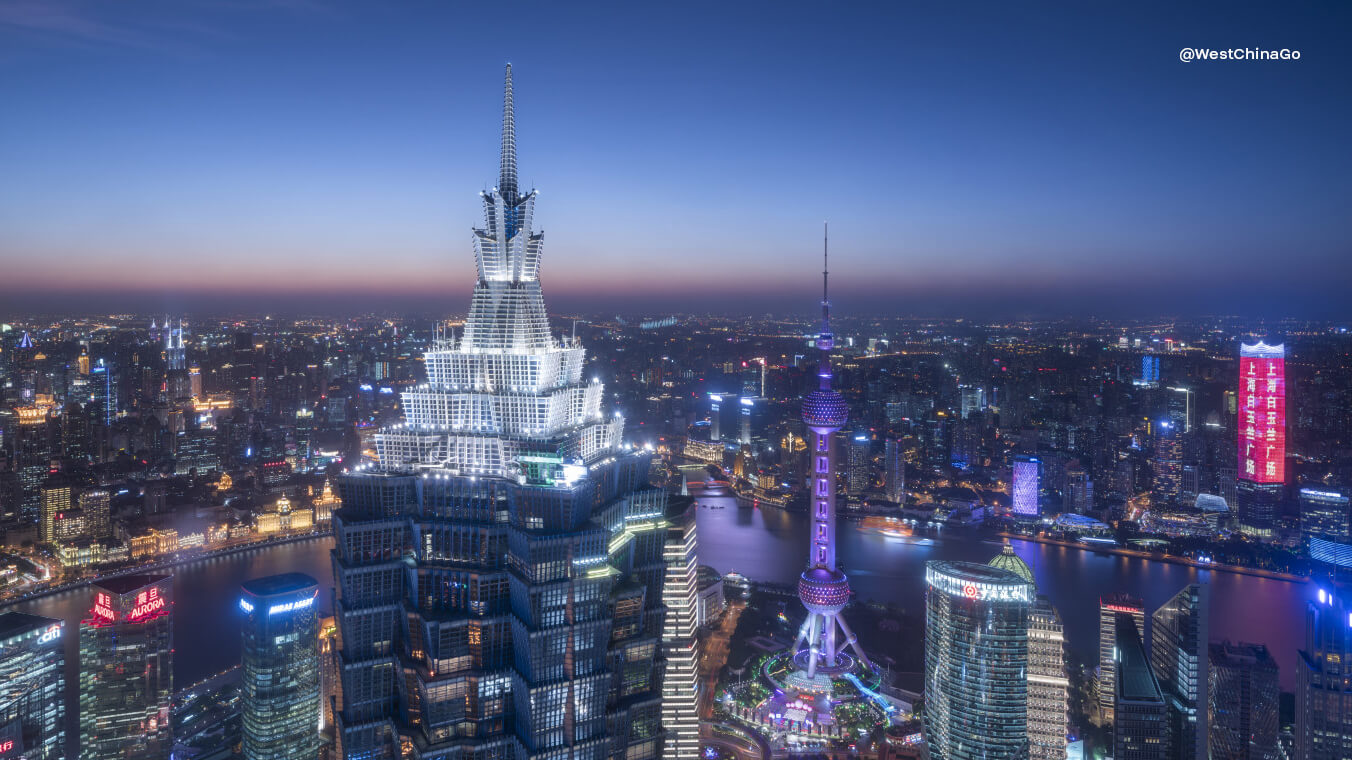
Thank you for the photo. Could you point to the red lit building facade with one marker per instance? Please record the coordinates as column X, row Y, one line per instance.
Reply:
column 1262, row 435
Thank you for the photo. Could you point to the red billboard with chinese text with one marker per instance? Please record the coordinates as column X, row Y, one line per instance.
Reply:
column 1262, row 413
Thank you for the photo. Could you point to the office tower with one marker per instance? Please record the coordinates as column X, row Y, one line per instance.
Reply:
column 973, row 400
column 57, row 497
column 177, row 383
column 976, row 661
column 103, row 396
column 1323, row 709
column 715, row 416
column 1178, row 657
column 823, row 588
column 857, row 476
column 1024, row 487
column 1180, row 407
column 895, row 454
column 1168, row 462
column 1079, row 489
column 330, row 675
column 280, row 683
column 95, row 506
column 1325, row 513
column 127, row 669
column 1150, row 370
column 1048, row 685
column 500, row 572
column 1109, row 607
column 681, row 690
column 1242, row 713
column 745, row 405
column 1141, row 723
column 32, row 687
column 1262, row 435
column 32, row 460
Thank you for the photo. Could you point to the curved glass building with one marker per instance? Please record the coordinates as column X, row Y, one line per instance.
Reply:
column 976, row 661
column 280, row 684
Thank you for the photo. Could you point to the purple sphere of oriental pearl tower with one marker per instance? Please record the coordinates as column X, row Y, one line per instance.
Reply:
column 823, row 588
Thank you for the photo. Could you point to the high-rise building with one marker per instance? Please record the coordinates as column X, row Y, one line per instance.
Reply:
column 280, row 691
column 1150, row 370
column 745, row 405
column 32, row 687
column 1242, row 716
column 127, row 669
column 57, row 496
column 1048, row 685
column 1180, row 406
column 32, row 451
column 500, row 572
column 1262, row 435
column 1168, row 462
column 857, row 474
column 1325, row 513
column 715, row 416
column 95, row 505
column 1323, row 669
column 1024, row 486
column 895, row 454
column 681, row 689
column 1079, row 494
column 103, row 395
column 976, row 661
column 1140, row 723
column 1109, row 607
column 973, row 400
column 1178, row 657
column 823, row 588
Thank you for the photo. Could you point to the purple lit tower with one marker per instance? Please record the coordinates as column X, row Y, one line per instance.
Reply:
column 823, row 588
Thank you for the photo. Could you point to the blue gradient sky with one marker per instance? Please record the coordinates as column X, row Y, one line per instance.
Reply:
column 972, row 158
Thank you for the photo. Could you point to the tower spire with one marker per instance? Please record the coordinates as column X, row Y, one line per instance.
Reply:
column 507, row 172
column 825, row 340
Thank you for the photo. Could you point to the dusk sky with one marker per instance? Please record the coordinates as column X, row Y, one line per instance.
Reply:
column 972, row 158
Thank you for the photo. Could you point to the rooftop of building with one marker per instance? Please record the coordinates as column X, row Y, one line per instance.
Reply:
column 1008, row 560
column 975, row 571
column 17, row 623
column 285, row 583
column 128, row 583
column 1240, row 653
column 1135, row 681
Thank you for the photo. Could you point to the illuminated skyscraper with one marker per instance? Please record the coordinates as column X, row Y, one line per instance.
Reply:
column 715, row 416
column 895, row 454
column 976, row 662
column 1323, row 707
column 1168, row 462
column 1141, row 724
column 857, row 475
column 1325, row 513
column 1025, row 487
column 1179, row 643
column 57, row 497
column 681, row 689
column 281, row 702
column 32, row 687
column 1243, row 693
column 1109, row 608
column 500, row 573
column 823, row 588
column 127, row 669
column 1262, row 435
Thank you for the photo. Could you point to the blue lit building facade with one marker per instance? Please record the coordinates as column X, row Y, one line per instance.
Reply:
column 32, row 687
column 499, row 574
column 280, row 659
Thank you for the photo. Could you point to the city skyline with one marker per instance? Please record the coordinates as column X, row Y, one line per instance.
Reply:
column 171, row 156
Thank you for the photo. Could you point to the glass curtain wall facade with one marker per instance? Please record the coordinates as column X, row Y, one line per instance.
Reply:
column 681, row 692
column 32, row 687
column 281, row 697
column 499, row 573
column 976, row 662
column 1179, row 656
column 127, row 669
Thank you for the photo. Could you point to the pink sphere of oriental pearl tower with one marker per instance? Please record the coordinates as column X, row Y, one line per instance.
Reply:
column 823, row 588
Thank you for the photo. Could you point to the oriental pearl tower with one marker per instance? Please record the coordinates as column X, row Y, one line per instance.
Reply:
column 823, row 588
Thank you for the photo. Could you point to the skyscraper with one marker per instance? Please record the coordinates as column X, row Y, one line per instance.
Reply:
column 895, row 454
column 1262, row 435
column 95, row 506
column 857, row 476
column 1140, row 723
column 528, row 620
column 976, row 661
column 281, row 698
column 823, row 588
column 1325, row 513
column 1242, row 714
column 57, row 497
column 1178, row 658
column 1048, row 686
column 127, row 669
column 1168, row 462
column 32, row 687
column 1025, row 488
column 1109, row 607
column 681, row 690
column 715, row 416
column 1323, row 709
